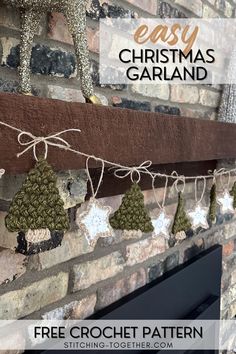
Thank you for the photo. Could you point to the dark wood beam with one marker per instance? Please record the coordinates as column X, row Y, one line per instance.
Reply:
column 121, row 135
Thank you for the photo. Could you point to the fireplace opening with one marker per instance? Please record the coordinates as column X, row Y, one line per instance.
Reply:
column 190, row 291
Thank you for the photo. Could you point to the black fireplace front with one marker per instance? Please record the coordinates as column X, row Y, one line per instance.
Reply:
column 191, row 291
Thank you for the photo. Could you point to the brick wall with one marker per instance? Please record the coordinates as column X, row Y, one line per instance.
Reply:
column 75, row 279
column 56, row 78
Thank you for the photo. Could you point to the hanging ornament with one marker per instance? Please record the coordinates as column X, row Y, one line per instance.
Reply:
column 161, row 222
column 226, row 202
column 181, row 220
column 213, row 203
column 37, row 212
column 94, row 221
column 233, row 194
column 199, row 214
column 199, row 217
column 132, row 213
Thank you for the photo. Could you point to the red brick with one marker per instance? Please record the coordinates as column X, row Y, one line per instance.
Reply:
column 143, row 250
column 58, row 30
column 200, row 114
column 9, row 17
column 75, row 310
column 194, row 6
column 149, row 6
column 114, row 292
column 184, row 94
column 93, row 39
column 65, row 94
column 116, row 100
column 91, row 272
column 228, row 249
column 12, row 265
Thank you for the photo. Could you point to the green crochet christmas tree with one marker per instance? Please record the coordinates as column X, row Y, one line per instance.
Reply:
column 233, row 194
column 213, row 203
column 38, row 204
column 132, row 214
column 181, row 221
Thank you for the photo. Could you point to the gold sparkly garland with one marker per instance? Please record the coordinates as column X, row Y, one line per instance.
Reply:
column 75, row 14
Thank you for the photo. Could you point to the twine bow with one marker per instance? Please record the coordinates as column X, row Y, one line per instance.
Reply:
column 31, row 142
column 124, row 172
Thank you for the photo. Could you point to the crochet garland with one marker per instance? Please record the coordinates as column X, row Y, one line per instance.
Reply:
column 181, row 221
column 132, row 214
column 213, row 203
column 38, row 206
column 233, row 194
column 37, row 212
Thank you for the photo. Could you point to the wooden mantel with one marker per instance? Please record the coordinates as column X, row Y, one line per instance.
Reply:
column 120, row 135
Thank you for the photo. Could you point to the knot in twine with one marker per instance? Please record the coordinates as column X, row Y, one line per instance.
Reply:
column 133, row 172
column 31, row 142
column 179, row 183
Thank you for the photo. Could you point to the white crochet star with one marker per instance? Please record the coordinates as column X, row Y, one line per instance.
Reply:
column 199, row 217
column 226, row 203
column 94, row 222
column 161, row 224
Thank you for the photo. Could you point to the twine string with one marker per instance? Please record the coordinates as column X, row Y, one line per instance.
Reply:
column 160, row 205
column 133, row 172
column 180, row 179
column 214, row 177
column 165, row 193
column 224, row 185
column 229, row 179
column 154, row 192
column 198, row 201
column 95, row 192
column 30, row 141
